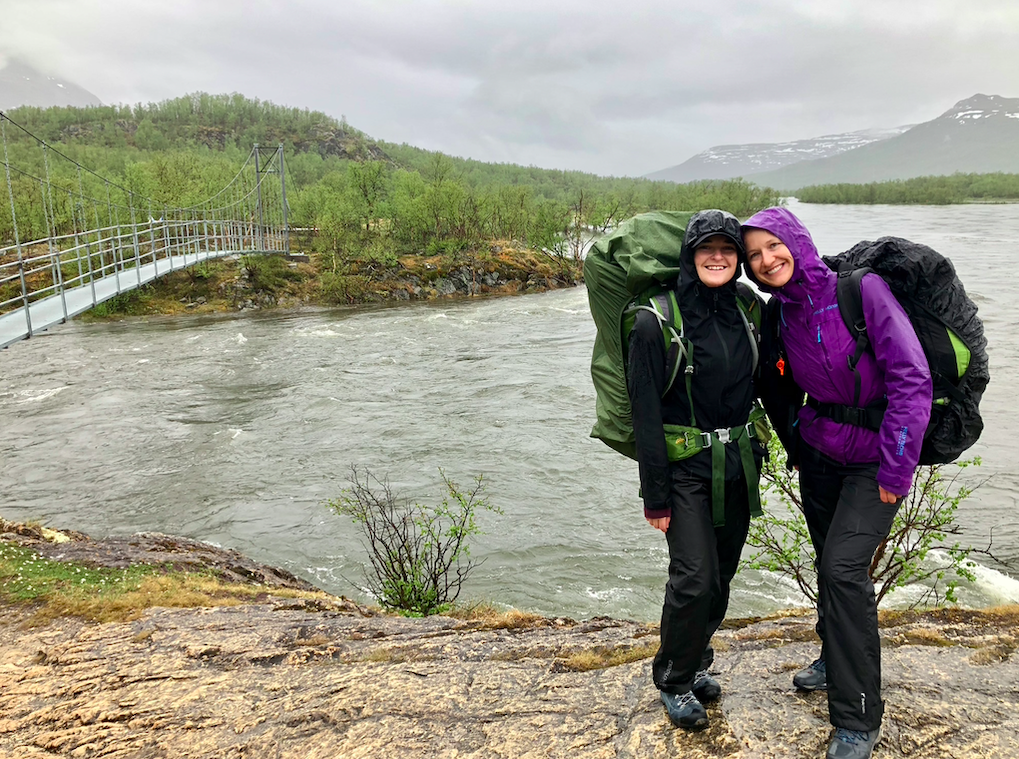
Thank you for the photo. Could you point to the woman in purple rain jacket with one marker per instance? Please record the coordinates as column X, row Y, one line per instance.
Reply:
column 852, row 479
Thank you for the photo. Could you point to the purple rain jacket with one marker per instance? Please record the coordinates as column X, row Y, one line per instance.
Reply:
column 818, row 345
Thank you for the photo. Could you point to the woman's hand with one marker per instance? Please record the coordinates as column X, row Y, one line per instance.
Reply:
column 661, row 523
column 887, row 497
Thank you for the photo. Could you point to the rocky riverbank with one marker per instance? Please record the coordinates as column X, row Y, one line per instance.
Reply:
column 290, row 672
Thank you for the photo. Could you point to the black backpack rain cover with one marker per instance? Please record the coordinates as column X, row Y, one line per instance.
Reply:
column 926, row 285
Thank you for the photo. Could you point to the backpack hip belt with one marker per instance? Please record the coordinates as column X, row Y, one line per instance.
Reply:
column 682, row 442
column 869, row 417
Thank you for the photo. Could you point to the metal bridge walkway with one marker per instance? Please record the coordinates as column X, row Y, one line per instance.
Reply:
column 58, row 308
column 79, row 239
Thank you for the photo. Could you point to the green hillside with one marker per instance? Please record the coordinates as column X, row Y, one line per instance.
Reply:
column 368, row 200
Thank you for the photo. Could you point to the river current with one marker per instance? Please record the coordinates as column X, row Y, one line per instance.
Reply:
column 237, row 429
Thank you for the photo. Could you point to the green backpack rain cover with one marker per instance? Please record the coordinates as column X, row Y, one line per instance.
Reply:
column 639, row 256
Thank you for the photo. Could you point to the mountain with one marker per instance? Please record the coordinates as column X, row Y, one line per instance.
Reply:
column 20, row 84
column 978, row 135
column 729, row 161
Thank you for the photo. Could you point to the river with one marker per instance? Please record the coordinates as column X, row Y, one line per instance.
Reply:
column 236, row 430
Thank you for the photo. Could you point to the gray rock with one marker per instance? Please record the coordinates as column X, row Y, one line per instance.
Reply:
column 444, row 286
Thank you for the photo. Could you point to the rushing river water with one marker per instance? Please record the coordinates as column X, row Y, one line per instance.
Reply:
column 236, row 430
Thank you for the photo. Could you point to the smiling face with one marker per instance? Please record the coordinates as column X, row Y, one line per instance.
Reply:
column 715, row 259
column 769, row 258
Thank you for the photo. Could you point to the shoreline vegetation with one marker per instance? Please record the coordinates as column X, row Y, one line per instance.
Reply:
column 49, row 573
column 933, row 190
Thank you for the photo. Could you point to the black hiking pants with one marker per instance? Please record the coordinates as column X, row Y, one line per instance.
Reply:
column 702, row 562
column 847, row 521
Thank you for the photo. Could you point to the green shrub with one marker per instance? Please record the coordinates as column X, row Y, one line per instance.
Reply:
column 268, row 273
column 342, row 289
column 419, row 555
column 925, row 520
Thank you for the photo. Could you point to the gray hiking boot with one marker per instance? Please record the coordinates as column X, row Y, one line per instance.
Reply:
column 705, row 687
column 853, row 744
column 813, row 677
column 685, row 710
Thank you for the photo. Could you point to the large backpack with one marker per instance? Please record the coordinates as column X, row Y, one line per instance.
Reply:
column 635, row 267
column 946, row 324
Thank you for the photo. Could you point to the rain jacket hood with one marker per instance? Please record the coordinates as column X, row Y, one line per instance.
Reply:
column 810, row 274
column 818, row 344
column 696, row 300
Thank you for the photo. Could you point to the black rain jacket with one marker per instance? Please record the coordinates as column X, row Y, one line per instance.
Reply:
column 722, row 383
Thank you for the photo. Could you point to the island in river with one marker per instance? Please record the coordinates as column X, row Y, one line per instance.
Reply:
column 213, row 655
column 270, row 281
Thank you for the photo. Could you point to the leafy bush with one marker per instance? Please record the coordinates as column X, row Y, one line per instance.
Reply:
column 268, row 273
column 924, row 521
column 342, row 289
column 420, row 556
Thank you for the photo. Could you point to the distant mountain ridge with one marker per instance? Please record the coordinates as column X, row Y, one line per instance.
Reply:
column 730, row 161
column 20, row 84
column 978, row 135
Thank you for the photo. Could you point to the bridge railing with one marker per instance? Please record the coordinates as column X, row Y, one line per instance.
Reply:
column 39, row 269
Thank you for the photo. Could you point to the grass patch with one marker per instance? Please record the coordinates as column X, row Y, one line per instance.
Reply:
column 995, row 654
column 995, row 617
column 54, row 589
column 486, row 616
column 603, row 658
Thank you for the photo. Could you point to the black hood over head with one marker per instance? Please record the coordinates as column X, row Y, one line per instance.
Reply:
column 696, row 300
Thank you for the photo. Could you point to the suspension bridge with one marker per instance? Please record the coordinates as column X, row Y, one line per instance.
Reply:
column 71, row 239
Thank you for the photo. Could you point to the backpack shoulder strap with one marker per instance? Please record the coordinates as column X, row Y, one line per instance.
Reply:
column 750, row 311
column 666, row 307
column 849, row 294
column 850, row 298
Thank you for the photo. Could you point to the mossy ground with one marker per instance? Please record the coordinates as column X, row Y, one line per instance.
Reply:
column 51, row 589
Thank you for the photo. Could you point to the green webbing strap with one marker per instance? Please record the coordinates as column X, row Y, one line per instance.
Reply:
column 683, row 442
column 752, row 476
column 718, row 479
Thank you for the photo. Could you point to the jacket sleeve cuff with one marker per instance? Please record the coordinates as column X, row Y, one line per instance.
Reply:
column 894, row 485
column 657, row 510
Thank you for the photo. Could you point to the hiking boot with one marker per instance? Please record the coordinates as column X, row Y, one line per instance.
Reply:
column 853, row 744
column 814, row 677
column 685, row 710
column 705, row 687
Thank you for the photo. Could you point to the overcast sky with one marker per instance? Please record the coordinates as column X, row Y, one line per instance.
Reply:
column 624, row 87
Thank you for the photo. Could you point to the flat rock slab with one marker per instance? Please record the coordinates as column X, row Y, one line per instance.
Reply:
column 286, row 678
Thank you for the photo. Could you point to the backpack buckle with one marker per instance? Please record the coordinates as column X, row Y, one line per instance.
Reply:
column 690, row 439
column 723, row 435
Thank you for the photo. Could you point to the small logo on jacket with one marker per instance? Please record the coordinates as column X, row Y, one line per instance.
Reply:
column 903, row 435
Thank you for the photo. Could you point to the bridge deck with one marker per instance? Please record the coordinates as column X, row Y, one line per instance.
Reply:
column 56, row 309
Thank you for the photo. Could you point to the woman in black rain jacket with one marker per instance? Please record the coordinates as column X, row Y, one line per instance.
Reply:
column 678, row 493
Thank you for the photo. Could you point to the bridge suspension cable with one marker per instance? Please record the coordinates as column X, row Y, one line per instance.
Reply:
column 71, row 238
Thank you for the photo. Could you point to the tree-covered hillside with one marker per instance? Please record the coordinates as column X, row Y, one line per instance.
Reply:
column 957, row 188
column 365, row 202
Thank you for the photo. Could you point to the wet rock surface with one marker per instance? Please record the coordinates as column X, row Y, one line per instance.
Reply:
column 305, row 678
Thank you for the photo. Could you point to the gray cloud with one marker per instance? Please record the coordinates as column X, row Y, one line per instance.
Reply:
column 605, row 87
